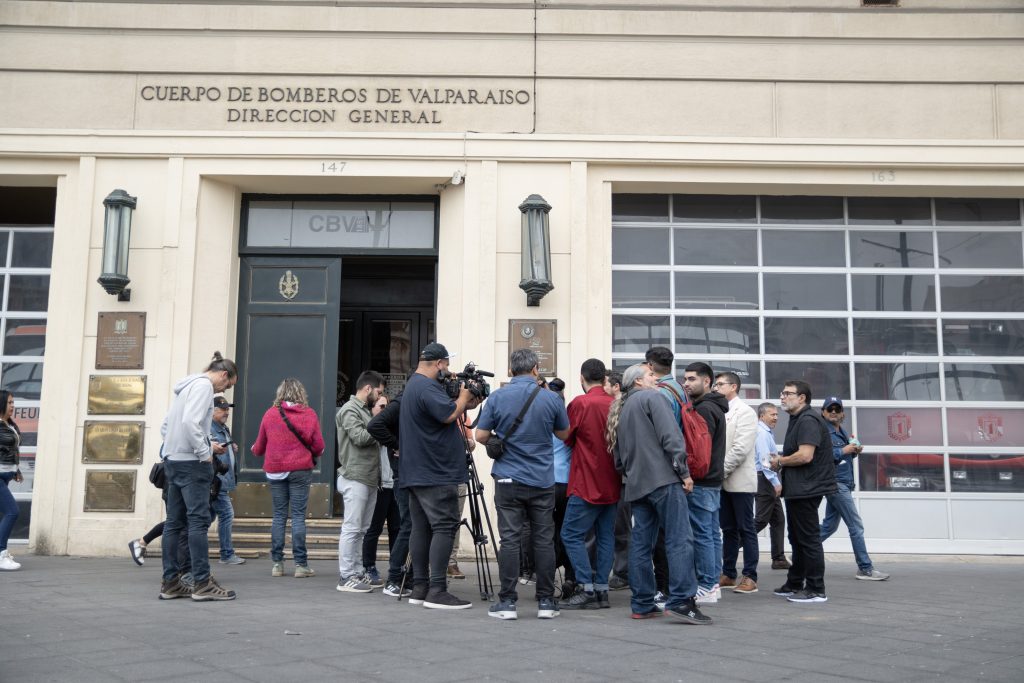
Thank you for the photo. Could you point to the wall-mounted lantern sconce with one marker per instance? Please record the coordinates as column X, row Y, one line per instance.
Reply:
column 117, row 231
column 536, row 248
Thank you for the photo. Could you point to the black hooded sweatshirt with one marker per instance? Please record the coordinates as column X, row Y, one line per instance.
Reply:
column 712, row 406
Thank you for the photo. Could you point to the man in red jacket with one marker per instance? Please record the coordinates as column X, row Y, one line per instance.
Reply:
column 594, row 488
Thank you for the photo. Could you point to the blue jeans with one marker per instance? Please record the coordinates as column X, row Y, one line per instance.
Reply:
column 580, row 517
column 188, row 512
column 8, row 509
column 291, row 493
column 665, row 508
column 841, row 505
column 225, row 515
column 737, row 514
column 703, row 506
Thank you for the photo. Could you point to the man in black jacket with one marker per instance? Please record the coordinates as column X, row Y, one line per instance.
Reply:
column 808, row 474
column 384, row 428
column 707, row 492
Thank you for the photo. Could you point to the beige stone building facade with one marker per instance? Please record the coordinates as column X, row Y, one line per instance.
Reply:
column 803, row 133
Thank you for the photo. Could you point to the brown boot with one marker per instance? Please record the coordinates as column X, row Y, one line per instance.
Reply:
column 780, row 564
column 747, row 585
column 725, row 582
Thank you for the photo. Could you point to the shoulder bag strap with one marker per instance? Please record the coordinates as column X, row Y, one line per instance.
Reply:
column 291, row 427
column 522, row 413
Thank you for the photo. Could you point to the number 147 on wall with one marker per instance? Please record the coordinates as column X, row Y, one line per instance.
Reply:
column 332, row 166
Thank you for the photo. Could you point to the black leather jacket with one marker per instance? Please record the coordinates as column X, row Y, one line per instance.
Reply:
column 10, row 438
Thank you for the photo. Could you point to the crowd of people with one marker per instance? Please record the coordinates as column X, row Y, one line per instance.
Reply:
column 641, row 482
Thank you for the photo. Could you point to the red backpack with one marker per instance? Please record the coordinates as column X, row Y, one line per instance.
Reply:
column 696, row 435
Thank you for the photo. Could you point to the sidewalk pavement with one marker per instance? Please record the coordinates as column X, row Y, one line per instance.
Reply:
column 82, row 620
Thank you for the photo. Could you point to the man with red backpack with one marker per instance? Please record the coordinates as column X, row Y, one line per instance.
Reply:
column 705, row 499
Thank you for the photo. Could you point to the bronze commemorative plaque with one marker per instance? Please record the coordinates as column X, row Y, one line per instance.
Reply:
column 120, row 341
column 117, row 395
column 119, row 442
column 109, row 491
column 540, row 336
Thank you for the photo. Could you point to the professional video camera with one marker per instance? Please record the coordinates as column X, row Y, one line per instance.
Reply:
column 470, row 377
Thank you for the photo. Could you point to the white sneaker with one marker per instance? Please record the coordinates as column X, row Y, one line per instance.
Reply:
column 717, row 589
column 7, row 562
column 706, row 596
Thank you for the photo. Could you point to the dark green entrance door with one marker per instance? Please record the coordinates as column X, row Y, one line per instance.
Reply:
column 287, row 327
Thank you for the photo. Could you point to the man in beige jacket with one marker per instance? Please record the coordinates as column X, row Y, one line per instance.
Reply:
column 738, row 488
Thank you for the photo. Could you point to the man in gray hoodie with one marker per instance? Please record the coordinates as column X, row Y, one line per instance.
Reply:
column 188, row 465
column 648, row 448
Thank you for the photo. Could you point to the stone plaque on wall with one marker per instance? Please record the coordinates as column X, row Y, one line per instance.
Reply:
column 120, row 341
column 109, row 491
column 119, row 442
column 541, row 337
column 117, row 395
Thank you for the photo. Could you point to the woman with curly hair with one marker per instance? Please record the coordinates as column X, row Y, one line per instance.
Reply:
column 289, row 442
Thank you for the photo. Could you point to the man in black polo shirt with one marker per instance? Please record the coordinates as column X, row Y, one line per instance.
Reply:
column 808, row 474
column 433, row 459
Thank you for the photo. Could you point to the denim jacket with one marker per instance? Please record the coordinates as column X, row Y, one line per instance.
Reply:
column 844, row 463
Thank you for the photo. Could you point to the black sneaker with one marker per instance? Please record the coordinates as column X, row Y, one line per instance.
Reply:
column 602, row 600
column 568, row 588
column 689, row 613
column 503, row 609
column 807, row 596
column 170, row 590
column 442, row 599
column 581, row 599
column 419, row 594
column 785, row 590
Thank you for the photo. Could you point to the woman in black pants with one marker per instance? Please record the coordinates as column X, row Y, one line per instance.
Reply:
column 386, row 509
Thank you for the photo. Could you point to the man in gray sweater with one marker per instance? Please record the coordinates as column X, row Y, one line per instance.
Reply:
column 649, row 450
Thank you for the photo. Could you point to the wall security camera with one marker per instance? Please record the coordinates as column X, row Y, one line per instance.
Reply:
column 457, row 178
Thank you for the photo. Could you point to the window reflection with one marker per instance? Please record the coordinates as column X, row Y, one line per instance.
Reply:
column 899, row 426
column 982, row 293
column 32, row 249
column 897, row 381
column 630, row 208
column 984, row 382
column 803, row 248
column 25, row 337
column 28, row 293
column 715, row 247
column 980, row 250
column 716, row 290
column 818, row 336
column 633, row 289
column 801, row 209
column 894, row 337
column 878, row 249
column 902, row 472
column 889, row 210
column 749, row 373
column 826, row 379
column 983, row 337
column 24, row 380
column 802, row 292
column 714, row 208
column 987, row 427
column 637, row 333
column 717, row 335
column 640, row 246
column 893, row 292
column 988, row 211
column 987, row 473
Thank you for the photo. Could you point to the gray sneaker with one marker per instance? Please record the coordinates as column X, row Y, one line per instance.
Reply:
column 503, row 609
column 547, row 608
column 354, row 584
column 187, row 580
column 234, row 559
column 871, row 575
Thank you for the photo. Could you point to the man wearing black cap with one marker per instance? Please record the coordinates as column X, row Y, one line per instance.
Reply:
column 225, row 450
column 840, row 504
column 433, row 458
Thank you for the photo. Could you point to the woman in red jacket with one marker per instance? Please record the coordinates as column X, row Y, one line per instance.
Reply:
column 291, row 441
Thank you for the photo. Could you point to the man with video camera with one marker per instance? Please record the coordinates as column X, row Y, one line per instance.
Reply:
column 523, row 416
column 433, row 459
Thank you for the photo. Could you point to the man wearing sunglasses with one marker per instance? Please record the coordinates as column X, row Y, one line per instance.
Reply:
column 840, row 504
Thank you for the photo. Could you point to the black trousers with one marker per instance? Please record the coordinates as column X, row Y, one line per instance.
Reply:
column 769, row 511
column 808, row 570
column 516, row 504
column 435, row 520
column 385, row 510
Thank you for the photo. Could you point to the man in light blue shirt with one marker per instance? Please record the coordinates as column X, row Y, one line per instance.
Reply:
column 769, row 488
